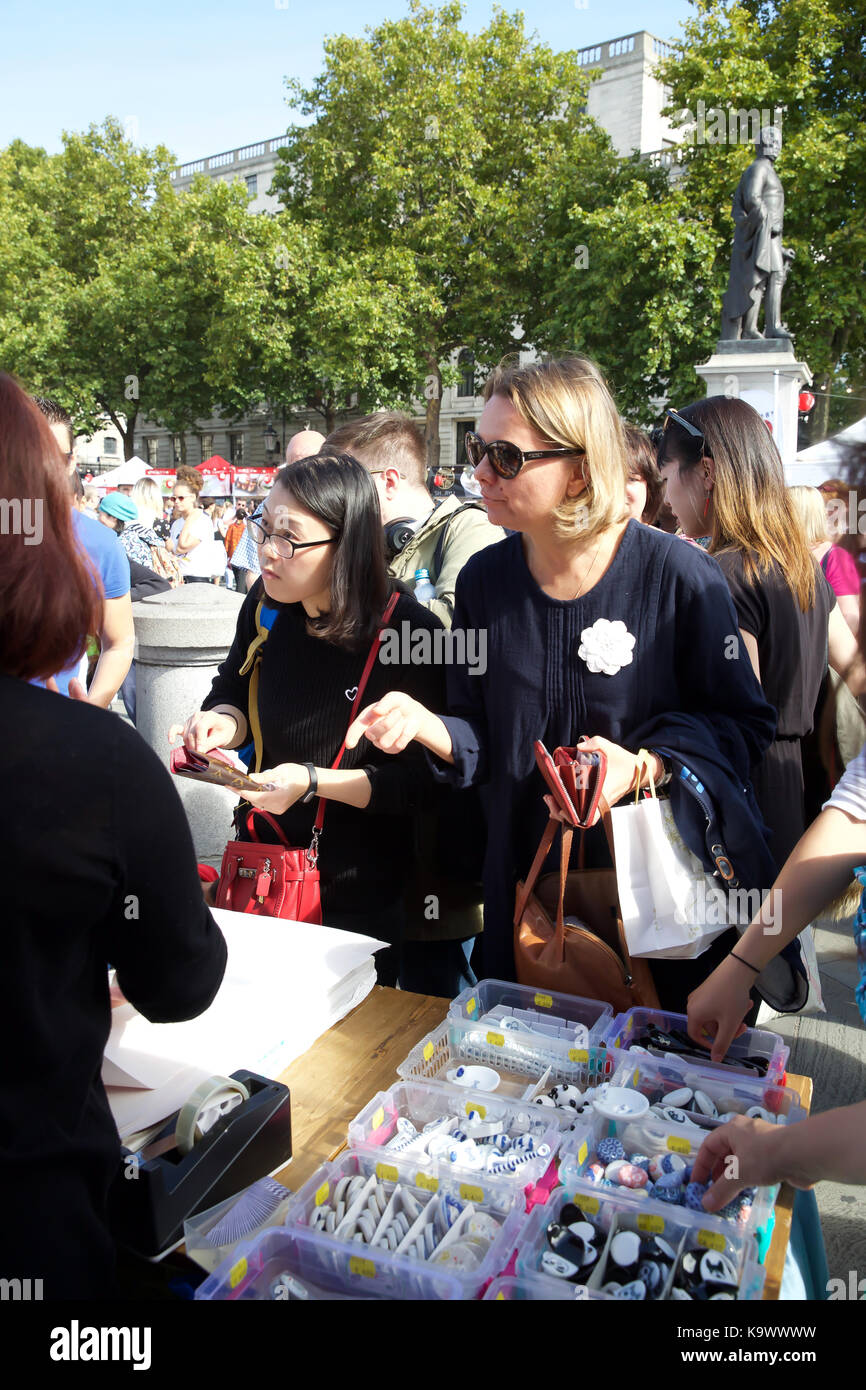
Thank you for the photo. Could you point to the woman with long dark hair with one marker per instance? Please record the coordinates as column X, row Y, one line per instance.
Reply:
column 322, row 557
column 93, row 875
column 725, row 479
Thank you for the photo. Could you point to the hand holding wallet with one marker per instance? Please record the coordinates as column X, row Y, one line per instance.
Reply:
column 214, row 768
column 576, row 780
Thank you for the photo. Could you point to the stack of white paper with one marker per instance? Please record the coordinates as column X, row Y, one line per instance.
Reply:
column 285, row 984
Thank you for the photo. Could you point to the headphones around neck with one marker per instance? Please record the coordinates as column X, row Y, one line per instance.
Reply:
column 398, row 534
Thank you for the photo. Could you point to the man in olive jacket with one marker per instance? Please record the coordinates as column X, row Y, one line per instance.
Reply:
column 443, row 903
column 420, row 533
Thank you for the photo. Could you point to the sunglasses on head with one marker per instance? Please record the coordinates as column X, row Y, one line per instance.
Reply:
column 506, row 458
column 693, row 446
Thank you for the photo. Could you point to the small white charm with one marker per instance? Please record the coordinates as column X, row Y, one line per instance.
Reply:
column 606, row 646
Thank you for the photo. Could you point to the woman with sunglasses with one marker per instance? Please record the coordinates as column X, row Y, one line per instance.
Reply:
column 725, row 479
column 321, row 551
column 597, row 628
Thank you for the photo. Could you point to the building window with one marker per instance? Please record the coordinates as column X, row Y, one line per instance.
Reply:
column 152, row 452
column 206, row 447
column 177, row 448
column 236, row 450
column 252, row 185
column 109, row 445
column 466, row 367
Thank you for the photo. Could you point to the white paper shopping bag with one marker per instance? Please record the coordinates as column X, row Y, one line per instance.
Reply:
column 671, row 907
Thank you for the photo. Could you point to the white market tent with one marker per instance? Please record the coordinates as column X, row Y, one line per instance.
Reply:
column 126, row 474
column 816, row 464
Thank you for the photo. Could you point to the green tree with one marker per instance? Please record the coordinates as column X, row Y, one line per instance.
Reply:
column 437, row 147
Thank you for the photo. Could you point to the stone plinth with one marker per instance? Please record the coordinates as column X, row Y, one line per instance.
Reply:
column 766, row 374
column 181, row 637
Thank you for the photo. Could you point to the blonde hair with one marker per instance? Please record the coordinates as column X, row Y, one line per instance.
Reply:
column 148, row 498
column 568, row 402
column 809, row 506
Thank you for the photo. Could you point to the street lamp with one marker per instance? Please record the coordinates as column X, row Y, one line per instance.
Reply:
column 270, row 437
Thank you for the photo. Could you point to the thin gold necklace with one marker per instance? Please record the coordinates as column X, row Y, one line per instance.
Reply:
column 588, row 573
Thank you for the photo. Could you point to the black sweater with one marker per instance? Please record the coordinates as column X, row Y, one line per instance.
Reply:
column 98, row 869
column 364, row 855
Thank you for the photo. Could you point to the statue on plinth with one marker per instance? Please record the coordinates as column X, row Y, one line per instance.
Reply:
column 759, row 261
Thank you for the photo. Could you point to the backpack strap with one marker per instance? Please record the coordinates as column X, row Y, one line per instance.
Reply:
column 443, row 535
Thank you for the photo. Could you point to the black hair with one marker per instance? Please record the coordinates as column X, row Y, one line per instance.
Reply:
column 338, row 490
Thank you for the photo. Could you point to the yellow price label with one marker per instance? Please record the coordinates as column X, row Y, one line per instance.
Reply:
column 496, row 1039
column 636, row 1078
column 711, row 1240
column 654, row 1224
column 473, row 1105
column 543, row 1001
column 589, row 1205
column 238, row 1272
column 378, row 1119
column 428, row 1052
column 499, row 1296
column 678, row 1145
column 471, row 1194
column 428, row 1184
column 365, row 1268
column 471, row 1007
column 582, row 1152
column 385, row 1173
column 578, row 1054
column 322, row 1194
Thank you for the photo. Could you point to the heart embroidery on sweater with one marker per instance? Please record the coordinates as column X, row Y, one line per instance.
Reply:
column 350, row 694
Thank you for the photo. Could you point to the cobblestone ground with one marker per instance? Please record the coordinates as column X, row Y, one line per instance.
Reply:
column 831, row 1048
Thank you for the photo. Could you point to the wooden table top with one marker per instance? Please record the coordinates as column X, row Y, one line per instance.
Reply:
column 359, row 1056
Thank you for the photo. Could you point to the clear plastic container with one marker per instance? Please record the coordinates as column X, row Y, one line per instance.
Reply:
column 397, row 1272
column 628, row 1027
column 279, row 1265
column 424, row 1102
column 513, row 1287
column 734, row 1093
column 519, row 1059
column 211, row 1236
column 650, row 1137
column 561, row 1022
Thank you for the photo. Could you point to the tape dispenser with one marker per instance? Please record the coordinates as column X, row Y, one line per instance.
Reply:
column 232, row 1130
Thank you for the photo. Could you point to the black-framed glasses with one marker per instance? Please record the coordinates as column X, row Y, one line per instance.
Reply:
column 695, row 443
column 506, row 458
column 281, row 544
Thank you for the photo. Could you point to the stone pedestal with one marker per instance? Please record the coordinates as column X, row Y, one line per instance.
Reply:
column 181, row 637
column 766, row 374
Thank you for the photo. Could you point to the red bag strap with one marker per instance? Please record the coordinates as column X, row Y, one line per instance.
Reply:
column 356, row 703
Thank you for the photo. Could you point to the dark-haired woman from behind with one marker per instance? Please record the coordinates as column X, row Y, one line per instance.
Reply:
column 725, row 479
column 322, row 558
column 92, row 876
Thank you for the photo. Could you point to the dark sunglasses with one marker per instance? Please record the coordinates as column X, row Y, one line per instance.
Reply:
column 506, row 459
column 694, row 445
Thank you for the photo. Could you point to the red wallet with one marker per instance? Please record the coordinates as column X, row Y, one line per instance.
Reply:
column 576, row 780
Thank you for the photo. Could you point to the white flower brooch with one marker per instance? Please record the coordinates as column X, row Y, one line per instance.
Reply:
column 606, row 646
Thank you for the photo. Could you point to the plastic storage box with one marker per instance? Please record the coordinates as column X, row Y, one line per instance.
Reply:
column 423, row 1102
column 626, row 1030
column 510, row 1288
column 734, row 1093
column 210, row 1237
column 310, row 1271
column 398, row 1274
column 561, row 1022
column 651, row 1136
column 519, row 1058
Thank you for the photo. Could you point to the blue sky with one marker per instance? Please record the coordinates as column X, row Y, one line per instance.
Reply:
column 202, row 76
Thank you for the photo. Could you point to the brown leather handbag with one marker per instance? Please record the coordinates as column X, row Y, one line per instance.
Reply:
column 568, row 933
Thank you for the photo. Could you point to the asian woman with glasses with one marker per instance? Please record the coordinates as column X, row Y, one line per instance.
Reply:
column 323, row 569
column 598, row 630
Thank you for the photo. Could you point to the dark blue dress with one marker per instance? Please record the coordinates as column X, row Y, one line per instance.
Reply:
column 674, row 601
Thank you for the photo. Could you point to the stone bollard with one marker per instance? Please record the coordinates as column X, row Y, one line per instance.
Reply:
column 181, row 637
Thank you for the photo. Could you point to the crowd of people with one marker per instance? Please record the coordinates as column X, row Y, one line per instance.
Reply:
column 731, row 598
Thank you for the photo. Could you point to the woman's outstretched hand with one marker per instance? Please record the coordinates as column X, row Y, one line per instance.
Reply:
column 286, row 784
column 717, row 1007
column 390, row 725
column 204, row 731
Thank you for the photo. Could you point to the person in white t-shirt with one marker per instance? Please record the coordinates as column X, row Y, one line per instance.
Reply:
column 191, row 536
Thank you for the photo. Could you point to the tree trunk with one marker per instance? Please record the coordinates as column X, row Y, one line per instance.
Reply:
column 433, row 399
